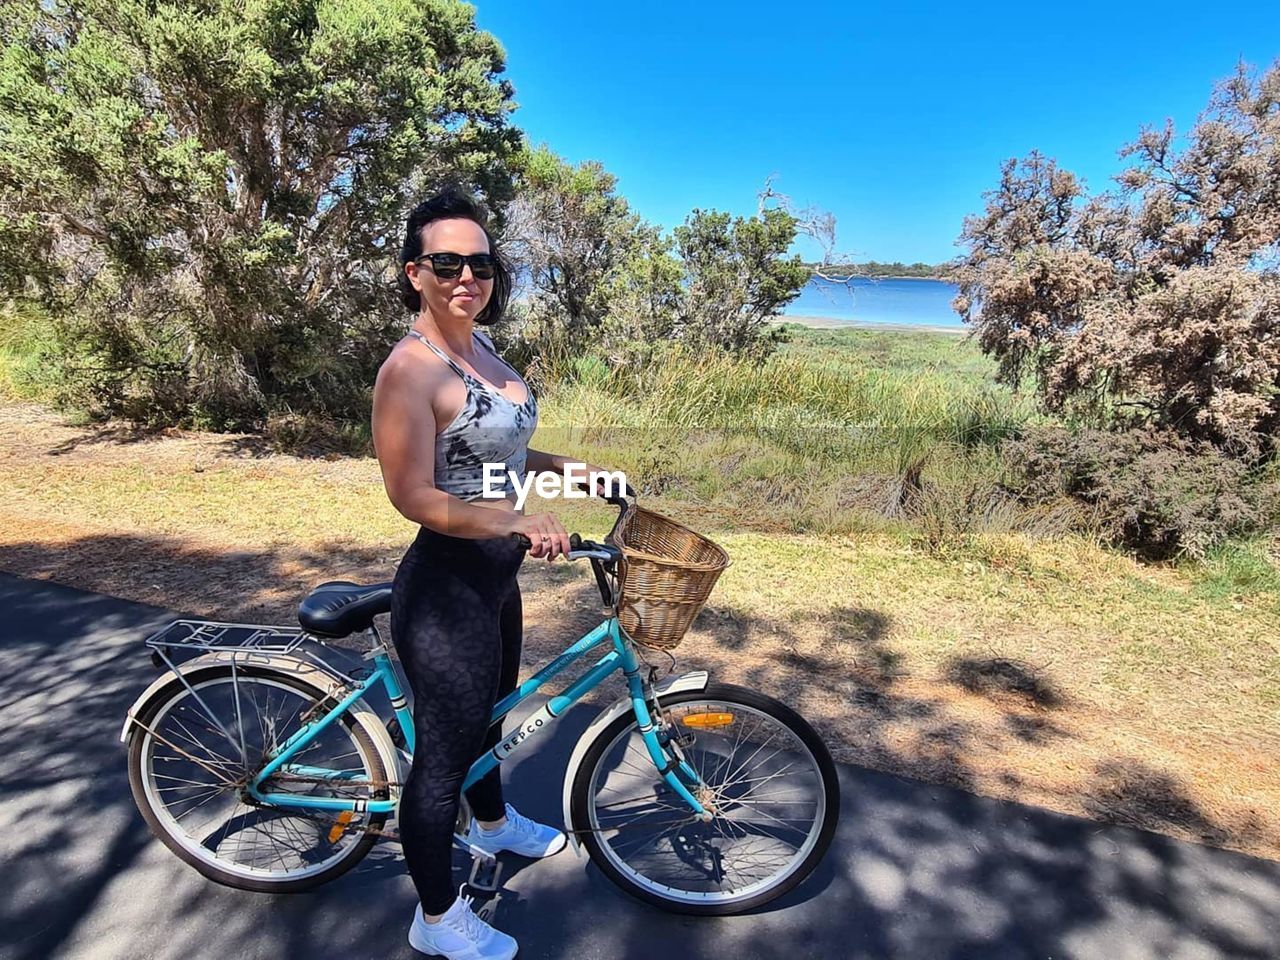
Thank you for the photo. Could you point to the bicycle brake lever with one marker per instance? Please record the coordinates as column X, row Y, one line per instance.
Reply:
column 589, row 555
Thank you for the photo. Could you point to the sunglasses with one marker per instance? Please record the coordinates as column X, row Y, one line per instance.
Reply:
column 448, row 266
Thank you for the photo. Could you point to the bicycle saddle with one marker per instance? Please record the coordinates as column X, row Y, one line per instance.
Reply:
column 339, row 608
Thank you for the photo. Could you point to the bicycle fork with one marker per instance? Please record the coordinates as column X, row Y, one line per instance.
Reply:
column 664, row 749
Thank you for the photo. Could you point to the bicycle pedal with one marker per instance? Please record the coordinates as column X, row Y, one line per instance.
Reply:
column 485, row 874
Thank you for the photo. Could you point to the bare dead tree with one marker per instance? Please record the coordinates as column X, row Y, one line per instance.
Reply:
column 813, row 222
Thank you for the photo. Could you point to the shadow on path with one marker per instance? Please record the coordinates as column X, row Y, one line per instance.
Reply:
column 916, row 871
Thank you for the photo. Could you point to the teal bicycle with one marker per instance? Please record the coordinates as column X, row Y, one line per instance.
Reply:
column 262, row 764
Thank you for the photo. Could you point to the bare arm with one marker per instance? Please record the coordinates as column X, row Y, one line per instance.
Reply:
column 404, row 436
column 404, row 433
column 541, row 462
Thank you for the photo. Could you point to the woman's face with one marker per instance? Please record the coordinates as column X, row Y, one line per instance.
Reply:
column 464, row 296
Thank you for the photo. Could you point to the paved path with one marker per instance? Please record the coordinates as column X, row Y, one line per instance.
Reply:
column 917, row 871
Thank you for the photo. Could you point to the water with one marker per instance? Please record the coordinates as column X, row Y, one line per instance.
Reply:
column 916, row 303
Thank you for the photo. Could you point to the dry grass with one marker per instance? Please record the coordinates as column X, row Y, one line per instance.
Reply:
column 1048, row 672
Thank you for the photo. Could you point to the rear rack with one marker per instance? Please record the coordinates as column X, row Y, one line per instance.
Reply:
column 206, row 636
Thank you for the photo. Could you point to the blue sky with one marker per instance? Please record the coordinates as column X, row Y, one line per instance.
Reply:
column 896, row 120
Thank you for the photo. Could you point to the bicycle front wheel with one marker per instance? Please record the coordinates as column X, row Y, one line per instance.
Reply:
column 195, row 750
column 764, row 772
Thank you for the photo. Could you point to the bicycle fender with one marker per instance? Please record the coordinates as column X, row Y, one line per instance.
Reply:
column 303, row 669
column 694, row 680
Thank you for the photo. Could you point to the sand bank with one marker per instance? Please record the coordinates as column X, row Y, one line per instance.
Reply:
column 829, row 323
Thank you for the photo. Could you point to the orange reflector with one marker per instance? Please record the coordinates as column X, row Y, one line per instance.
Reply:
column 339, row 828
column 705, row 721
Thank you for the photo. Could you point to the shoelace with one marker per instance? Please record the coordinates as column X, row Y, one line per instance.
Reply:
column 519, row 821
column 465, row 921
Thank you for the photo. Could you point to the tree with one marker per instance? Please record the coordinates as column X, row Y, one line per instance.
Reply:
column 585, row 255
column 207, row 197
column 818, row 225
column 737, row 277
column 600, row 277
column 643, row 293
column 1158, row 302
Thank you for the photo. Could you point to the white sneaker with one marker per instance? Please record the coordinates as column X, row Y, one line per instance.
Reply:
column 460, row 935
column 518, row 835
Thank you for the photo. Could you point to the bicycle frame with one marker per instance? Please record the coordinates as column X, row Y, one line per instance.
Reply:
column 621, row 656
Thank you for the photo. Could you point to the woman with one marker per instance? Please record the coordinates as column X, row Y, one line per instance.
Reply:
column 445, row 404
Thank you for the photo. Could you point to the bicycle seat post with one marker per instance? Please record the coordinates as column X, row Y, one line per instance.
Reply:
column 377, row 646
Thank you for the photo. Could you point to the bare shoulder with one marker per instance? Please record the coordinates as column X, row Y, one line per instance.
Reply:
column 407, row 369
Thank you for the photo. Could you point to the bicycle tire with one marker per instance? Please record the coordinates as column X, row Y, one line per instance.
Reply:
column 581, row 802
column 167, row 698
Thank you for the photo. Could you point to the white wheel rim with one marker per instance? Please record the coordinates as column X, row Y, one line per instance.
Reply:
column 748, row 890
column 200, row 851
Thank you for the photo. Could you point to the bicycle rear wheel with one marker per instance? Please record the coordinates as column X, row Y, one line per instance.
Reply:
column 188, row 770
column 764, row 771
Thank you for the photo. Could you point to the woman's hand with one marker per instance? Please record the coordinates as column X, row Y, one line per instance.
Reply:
column 547, row 535
column 597, row 488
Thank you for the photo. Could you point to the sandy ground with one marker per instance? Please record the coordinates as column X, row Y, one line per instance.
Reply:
column 828, row 323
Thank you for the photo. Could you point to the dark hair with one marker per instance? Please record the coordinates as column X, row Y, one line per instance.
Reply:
column 452, row 203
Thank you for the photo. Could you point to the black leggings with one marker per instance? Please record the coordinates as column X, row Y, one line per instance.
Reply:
column 456, row 622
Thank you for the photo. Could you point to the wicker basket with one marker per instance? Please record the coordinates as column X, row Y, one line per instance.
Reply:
column 666, row 575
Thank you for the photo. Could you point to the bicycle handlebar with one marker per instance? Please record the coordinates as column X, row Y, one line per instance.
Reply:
column 580, row 549
column 617, row 501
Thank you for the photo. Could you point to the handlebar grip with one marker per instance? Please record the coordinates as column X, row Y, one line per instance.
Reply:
column 575, row 541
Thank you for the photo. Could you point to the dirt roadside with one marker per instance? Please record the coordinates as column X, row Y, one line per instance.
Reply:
column 1016, row 708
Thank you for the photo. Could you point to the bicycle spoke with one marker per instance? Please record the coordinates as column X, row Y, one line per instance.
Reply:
column 198, row 805
column 165, row 776
column 769, row 821
column 669, row 827
column 758, row 780
column 210, row 818
column 759, row 829
column 210, row 752
column 608, row 806
column 750, row 758
column 625, row 818
column 715, row 774
column 751, row 842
